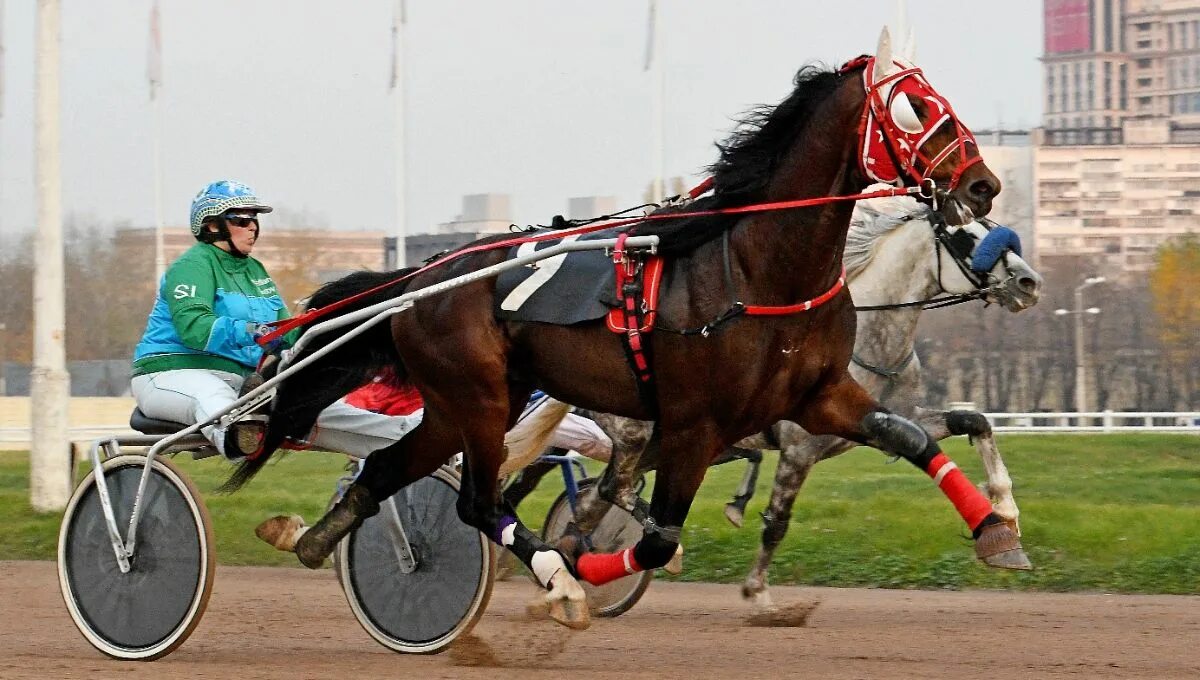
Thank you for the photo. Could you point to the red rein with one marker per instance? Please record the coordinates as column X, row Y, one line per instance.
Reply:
column 875, row 109
column 286, row 325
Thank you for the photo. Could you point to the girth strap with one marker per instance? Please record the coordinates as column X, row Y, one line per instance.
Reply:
column 629, row 272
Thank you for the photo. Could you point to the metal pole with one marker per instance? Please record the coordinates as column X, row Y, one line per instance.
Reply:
column 3, row 354
column 659, row 108
column 49, row 457
column 398, row 86
column 160, row 255
column 2, row 60
column 1080, row 376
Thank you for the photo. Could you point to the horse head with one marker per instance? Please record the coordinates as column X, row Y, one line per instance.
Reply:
column 911, row 135
column 983, row 255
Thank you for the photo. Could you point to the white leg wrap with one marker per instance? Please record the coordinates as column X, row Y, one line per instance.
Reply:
column 545, row 564
column 509, row 535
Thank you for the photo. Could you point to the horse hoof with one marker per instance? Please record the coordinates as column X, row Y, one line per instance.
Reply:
column 759, row 598
column 566, row 602
column 310, row 553
column 573, row 614
column 734, row 514
column 282, row 531
column 675, row 566
column 998, row 546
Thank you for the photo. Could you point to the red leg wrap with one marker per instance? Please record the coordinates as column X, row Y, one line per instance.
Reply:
column 971, row 504
column 600, row 568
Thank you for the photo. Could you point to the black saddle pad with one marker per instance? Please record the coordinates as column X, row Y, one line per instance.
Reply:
column 561, row 290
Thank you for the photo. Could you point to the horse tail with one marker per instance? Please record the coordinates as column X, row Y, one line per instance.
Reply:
column 527, row 441
column 300, row 398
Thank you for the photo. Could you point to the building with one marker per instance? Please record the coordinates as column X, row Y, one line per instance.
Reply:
column 1117, row 161
column 1009, row 155
column 322, row 254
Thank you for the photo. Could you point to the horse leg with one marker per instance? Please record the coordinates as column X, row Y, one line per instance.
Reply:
column 685, row 457
column 481, row 505
column 799, row 453
column 385, row 472
column 525, row 480
column 975, row 425
column 735, row 509
column 847, row 410
column 629, row 438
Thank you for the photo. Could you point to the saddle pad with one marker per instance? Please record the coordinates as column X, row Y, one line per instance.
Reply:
column 561, row 290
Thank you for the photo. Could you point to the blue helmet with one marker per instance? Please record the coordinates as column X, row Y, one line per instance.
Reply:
column 216, row 198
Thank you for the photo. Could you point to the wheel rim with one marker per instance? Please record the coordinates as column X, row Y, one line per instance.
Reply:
column 421, row 608
column 148, row 607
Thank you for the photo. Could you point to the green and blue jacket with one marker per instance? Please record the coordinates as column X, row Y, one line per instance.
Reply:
column 207, row 306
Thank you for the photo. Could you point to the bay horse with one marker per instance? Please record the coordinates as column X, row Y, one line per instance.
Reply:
column 896, row 255
column 874, row 119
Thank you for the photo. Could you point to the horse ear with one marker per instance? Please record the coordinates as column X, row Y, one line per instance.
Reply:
column 910, row 47
column 883, row 56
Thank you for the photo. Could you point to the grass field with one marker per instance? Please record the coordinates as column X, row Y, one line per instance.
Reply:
column 1113, row 513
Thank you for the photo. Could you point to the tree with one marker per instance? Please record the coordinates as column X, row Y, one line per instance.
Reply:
column 1174, row 283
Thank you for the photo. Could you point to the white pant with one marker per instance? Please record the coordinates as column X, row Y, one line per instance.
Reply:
column 192, row 395
column 354, row 431
column 188, row 396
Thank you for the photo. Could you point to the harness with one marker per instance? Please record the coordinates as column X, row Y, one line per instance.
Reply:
column 959, row 245
column 638, row 299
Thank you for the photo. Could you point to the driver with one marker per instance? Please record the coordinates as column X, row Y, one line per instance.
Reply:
column 210, row 306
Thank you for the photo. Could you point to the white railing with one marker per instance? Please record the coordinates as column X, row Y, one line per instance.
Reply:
column 1062, row 422
column 18, row 435
column 1097, row 422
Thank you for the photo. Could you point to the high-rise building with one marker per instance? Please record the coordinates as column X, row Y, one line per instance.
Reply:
column 1117, row 161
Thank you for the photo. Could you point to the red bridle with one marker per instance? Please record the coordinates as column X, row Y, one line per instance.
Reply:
column 887, row 149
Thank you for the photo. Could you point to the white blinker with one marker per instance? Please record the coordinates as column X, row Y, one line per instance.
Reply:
column 904, row 116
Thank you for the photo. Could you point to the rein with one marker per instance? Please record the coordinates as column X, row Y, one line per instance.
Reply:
column 925, row 190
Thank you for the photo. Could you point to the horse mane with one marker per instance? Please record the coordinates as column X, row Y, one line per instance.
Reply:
column 748, row 159
column 871, row 221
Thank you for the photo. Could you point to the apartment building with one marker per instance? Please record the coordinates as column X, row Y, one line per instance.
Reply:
column 1117, row 161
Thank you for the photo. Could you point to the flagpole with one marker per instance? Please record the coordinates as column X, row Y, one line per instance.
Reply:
column 398, row 86
column 1, row 148
column 658, row 95
column 160, row 256
column 49, row 453
column 154, row 70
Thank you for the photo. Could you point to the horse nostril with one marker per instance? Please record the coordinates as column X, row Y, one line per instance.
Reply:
column 1027, row 284
column 983, row 189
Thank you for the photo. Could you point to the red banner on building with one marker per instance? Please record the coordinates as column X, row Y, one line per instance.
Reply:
column 1068, row 26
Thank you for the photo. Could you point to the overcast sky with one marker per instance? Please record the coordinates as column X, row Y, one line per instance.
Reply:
column 540, row 99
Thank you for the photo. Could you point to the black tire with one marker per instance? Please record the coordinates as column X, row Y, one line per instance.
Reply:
column 617, row 531
column 147, row 613
column 421, row 612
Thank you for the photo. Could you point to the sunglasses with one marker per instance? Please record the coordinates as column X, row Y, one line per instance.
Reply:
column 243, row 221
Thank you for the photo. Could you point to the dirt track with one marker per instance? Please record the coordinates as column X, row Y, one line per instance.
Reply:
column 292, row 623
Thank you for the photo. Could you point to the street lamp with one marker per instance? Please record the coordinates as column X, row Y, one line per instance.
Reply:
column 1078, row 312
